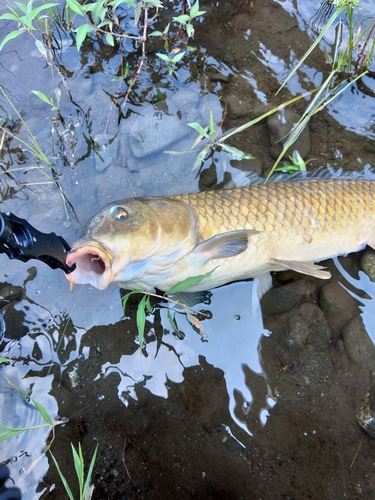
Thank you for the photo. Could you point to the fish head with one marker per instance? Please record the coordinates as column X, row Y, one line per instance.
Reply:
column 127, row 240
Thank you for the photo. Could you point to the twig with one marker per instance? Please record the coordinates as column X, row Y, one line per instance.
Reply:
column 143, row 57
column 356, row 454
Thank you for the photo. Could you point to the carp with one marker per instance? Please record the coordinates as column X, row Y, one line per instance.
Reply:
column 225, row 235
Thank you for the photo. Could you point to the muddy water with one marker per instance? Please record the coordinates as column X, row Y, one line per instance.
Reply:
column 256, row 406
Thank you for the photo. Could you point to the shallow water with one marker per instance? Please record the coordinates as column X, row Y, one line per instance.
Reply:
column 226, row 414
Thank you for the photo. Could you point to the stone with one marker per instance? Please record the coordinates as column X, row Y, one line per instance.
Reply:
column 281, row 299
column 338, row 305
column 358, row 345
column 308, row 327
column 367, row 263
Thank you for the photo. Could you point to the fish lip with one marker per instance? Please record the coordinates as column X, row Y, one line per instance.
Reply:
column 93, row 265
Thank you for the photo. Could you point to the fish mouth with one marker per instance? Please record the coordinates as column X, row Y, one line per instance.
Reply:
column 93, row 266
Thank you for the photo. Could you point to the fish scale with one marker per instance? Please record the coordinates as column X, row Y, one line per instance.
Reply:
column 284, row 207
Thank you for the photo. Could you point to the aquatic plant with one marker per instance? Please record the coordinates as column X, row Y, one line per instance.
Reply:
column 85, row 488
column 297, row 164
column 145, row 307
column 343, row 74
column 10, row 432
column 104, row 18
column 32, row 146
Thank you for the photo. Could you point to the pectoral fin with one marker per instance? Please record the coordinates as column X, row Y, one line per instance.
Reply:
column 302, row 267
column 224, row 245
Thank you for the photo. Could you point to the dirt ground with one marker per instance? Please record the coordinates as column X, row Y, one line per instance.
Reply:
column 311, row 446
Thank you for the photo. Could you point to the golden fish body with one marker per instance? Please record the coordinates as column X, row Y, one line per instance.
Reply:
column 240, row 233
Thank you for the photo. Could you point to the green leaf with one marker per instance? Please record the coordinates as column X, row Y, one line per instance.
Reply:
column 78, row 464
column 182, row 19
column 126, row 297
column 62, row 477
column 148, row 304
column 141, row 320
column 212, row 128
column 189, row 30
column 82, row 31
column 201, row 156
column 10, row 433
column 188, row 282
column 43, row 97
column 89, row 473
column 100, row 11
column 10, row 36
column 26, row 21
column 177, row 57
column 198, row 128
column 22, row 6
column 9, row 17
column 37, row 10
column 75, row 7
column 109, row 39
column 236, row 153
column 164, row 57
column 153, row 3
column 43, row 412
column 5, row 360
column 156, row 33
column 194, row 12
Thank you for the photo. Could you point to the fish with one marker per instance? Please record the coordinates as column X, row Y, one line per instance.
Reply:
column 225, row 235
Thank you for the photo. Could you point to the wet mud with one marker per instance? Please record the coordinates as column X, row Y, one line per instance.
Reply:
column 311, row 445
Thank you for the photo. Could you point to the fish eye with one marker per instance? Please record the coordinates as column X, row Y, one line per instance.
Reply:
column 119, row 213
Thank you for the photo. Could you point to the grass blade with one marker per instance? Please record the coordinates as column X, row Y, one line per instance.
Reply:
column 188, row 282
column 89, row 473
column 141, row 320
column 62, row 477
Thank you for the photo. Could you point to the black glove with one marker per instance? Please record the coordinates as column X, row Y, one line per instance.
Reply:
column 7, row 493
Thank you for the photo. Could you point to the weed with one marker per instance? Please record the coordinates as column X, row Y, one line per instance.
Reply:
column 85, row 489
column 297, row 164
column 49, row 422
column 145, row 306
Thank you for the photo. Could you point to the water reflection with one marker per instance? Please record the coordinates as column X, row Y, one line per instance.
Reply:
column 231, row 342
column 362, row 284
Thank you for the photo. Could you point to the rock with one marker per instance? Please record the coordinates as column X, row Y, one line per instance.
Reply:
column 358, row 344
column 280, row 124
column 281, row 299
column 367, row 263
column 308, row 327
column 340, row 307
